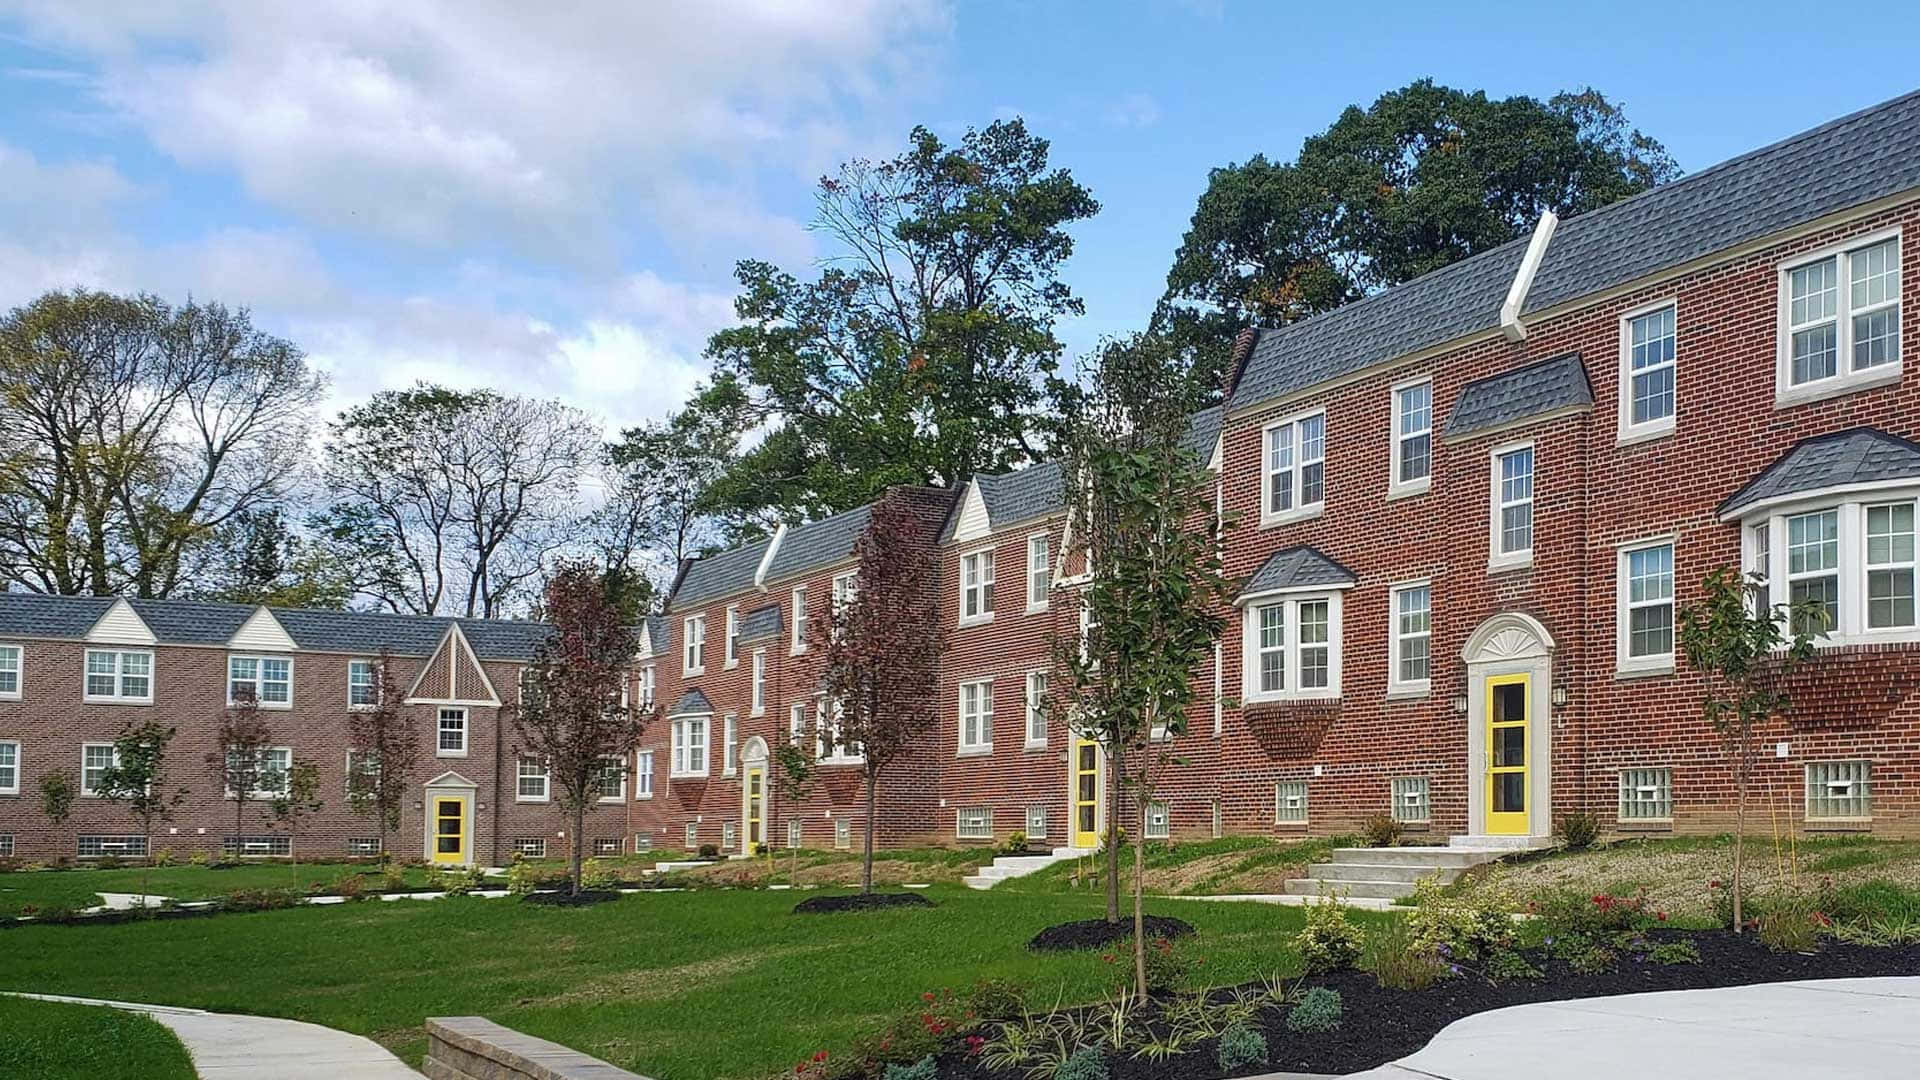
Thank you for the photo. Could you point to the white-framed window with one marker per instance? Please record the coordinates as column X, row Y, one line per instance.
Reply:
column 797, row 644
column 758, row 702
column 1036, row 708
column 1648, row 365
column 9, row 767
column 1412, row 438
column 649, row 681
column 1644, row 602
column 1839, row 319
column 1813, row 566
column 1410, row 799
column 119, row 676
column 643, row 775
column 642, row 841
column 1158, row 823
column 1037, row 821
column 976, row 587
column 831, row 746
column 1646, row 794
column 796, row 833
column 732, row 656
column 797, row 723
column 257, row 846
column 692, row 837
column 10, row 672
column 92, row 846
column 846, row 586
column 1510, row 535
column 694, row 644
column 842, row 833
column 689, row 738
column 1840, row 790
column 272, row 771
column 729, row 836
column 1856, row 559
column 363, row 684
column 607, row 845
column 452, row 730
column 365, row 766
column 532, row 777
column 1295, row 472
column 531, row 847
column 1039, row 572
column 6, row 845
column 1410, row 607
column 1291, row 647
column 973, row 823
column 729, row 743
column 610, row 780
column 1890, row 566
column 976, row 716
column 1759, row 561
column 1290, row 801
column 265, row 679
column 95, row 760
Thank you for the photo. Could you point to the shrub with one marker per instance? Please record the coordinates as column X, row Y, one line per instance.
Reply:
column 1167, row 966
column 1461, row 928
column 197, row 858
column 1579, row 829
column 163, row 857
column 1241, row 1047
column 108, row 862
column 261, row 899
column 1592, row 958
column 393, row 877
column 1672, row 953
column 709, row 851
column 1319, row 1010
column 349, row 885
column 523, row 878
column 997, row 999
column 919, row 1070
column 1016, row 842
column 599, row 874
column 1380, row 831
column 457, row 882
column 1085, row 1063
column 56, row 913
column 1790, row 922
column 1400, row 961
column 1508, row 965
column 1329, row 941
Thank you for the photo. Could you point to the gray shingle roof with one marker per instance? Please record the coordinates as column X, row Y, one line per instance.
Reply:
column 760, row 623
column 1853, row 160
column 502, row 639
column 820, row 543
column 1532, row 390
column 34, row 615
column 659, row 634
column 1859, row 455
column 192, row 621
column 1032, row 492
column 362, row 631
column 1203, row 430
column 693, row 701
column 717, row 575
column 1296, row 567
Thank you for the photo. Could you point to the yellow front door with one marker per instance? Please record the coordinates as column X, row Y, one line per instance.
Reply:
column 756, row 808
column 449, row 829
column 1086, row 793
column 1508, row 751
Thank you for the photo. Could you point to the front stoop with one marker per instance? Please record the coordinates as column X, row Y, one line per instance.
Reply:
column 1390, row 873
column 1013, row 866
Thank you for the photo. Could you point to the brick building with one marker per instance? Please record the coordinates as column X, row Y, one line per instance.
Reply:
column 1468, row 509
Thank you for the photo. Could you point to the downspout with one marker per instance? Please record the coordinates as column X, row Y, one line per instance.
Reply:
column 1510, row 324
column 494, row 845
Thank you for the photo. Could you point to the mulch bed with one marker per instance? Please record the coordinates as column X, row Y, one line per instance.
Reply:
column 1380, row 1025
column 583, row 898
column 1099, row 933
column 814, row 905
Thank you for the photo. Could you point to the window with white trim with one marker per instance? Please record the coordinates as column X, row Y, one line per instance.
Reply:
column 1855, row 559
column 363, row 684
column 1037, row 822
column 10, row 663
column 267, row 845
column 643, row 775
column 1290, row 801
column 1839, row 790
column 976, row 716
column 1813, row 567
column 9, row 767
column 1291, row 648
column 692, row 837
column 1647, row 370
column 1512, row 525
column 532, row 777
column 6, row 845
column 642, row 841
column 842, row 833
column 1840, row 318
column 973, row 823
column 729, row 836
column 733, row 636
column 845, row 588
column 1644, row 602
column 452, row 732
column 1036, row 708
column 1412, row 438
column 1890, row 566
column 530, row 847
column 607, row 845
column 976, row 587
column 120, row 676
column 796, row 833
column 758, row 692
column 1410, row 799
column 92, row 846
column 649, row 680
column 729, row 743
column 265, row 679
column 272, row 771
column 1039, row 572
column 1646, row 794
column 1411, row 612
column 1760, row 564
column 1295, row 481
column 797, row 723
column 1158, row 823
column 797, row 644
column 693, row 646
column 689, row 739
column 95, row 760
column 610, row 780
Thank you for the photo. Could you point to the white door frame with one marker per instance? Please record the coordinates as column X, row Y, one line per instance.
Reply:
column 1511, row 643
column 753, row 755
column 452, row 785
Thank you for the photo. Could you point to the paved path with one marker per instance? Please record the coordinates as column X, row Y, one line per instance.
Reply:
column 1834, row 1029
column 229, row 1047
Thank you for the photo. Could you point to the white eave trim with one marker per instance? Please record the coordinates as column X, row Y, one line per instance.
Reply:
column 262, row 632
column 1510, row 324
column 1814, row 498
column 1291, row 590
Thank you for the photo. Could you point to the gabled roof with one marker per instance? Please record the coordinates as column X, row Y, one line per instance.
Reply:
column 1535, row 389
column 1012, row 497
column 660, row 634
column 693, row 701
column 1203, row 429
column 1297, row 567
column 35, row 615
column 720, row 574
column 1861, row 455
column 819, row 543
column 760, row 623
column 1845, row 163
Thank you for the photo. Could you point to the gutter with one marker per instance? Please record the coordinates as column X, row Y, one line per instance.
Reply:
column 1510, row 324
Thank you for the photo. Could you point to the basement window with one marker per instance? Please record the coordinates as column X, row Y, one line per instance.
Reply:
column 1410, row 801
column 973, row 823
column 1839, row 790
column 1646, row 794
column 1290, row 802
column 531, row 847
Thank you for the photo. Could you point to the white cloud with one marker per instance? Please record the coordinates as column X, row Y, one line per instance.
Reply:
column 1135, row 110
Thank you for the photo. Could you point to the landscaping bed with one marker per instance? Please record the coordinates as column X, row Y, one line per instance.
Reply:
column 816, row 905
column 583, row 898
column 1099, row 933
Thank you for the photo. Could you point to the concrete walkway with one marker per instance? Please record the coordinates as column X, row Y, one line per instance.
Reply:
column 229, row 1047
column 1835, row 1029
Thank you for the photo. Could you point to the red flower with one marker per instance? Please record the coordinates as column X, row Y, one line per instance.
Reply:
column 926, row 995
column 975, row 1043
column 1661, row 915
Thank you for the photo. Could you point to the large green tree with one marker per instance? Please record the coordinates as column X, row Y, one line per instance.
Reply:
column 918, row 352
column 1425, row 176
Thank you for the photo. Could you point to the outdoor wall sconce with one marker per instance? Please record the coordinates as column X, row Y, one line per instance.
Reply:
column 1559, row 696
column 418, row 805
column 1460, row 703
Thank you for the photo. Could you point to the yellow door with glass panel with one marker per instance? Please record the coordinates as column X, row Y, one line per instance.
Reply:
column 449, row 829
column 756, row 808
column 1086, row 793
column 1508, row 753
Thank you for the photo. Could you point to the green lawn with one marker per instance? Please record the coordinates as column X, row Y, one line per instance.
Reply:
column 44, row 889
column 677, row 986
column 51, row 1040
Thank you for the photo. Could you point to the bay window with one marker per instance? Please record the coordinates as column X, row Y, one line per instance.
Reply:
column 1291, row 647
column 1856, row 560
column 689, row 738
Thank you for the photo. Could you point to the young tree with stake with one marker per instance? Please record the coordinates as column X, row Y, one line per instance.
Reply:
column 793, row 781
column 384, row 747
column 240, row 761
column 882, row 646
column 1142, row 514
column 572, row 714
column 137, row 777
column 297, row 800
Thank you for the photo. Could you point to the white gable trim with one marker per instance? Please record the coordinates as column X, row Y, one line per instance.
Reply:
column 121, row 625
column 454, row 643
column 262, row 633
column 451, row 779
column 972, row 523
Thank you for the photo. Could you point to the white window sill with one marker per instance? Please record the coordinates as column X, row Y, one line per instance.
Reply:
column 975, row 751
column 1408, row 490
column 1034, row 745
column 362, row 708
column 1283, row 699
column 1289, row 517
column 116, row 701
column 1644, row 433
column 1786, row 397
column 757, row 712
column 1893, row 635
column 646, row 797
column 1035, row 609
column 1644, row 668
column 449, row 753
column 797, row 652
column 692, row 671
column 1409, row 691
column 612, row 800
column 731, row 664
column 975, row 620
column 687, row 776
column 529, row 799
column 1513, row 561
column 265, row 706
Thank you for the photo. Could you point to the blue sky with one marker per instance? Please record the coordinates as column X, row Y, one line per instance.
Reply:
column 550, row 198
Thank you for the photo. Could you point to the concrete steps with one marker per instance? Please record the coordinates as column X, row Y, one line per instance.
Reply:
column 1390, row 873
column 1013, row 866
